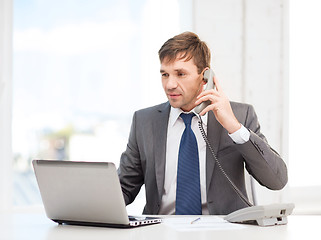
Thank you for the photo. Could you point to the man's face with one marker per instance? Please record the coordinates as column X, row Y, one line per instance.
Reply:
column 181, row 83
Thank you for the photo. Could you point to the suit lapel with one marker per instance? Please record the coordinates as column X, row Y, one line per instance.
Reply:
column 214, row 130
column 160, row 126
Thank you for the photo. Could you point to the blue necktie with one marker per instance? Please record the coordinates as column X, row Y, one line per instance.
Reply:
column 188, row 192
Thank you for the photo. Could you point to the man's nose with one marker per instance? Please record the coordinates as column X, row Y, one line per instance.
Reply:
column 171, row 83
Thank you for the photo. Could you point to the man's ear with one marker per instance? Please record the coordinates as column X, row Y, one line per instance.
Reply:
column 202, row 73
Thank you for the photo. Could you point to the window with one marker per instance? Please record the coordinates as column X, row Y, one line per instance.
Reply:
column 80, row 70
column 305, row 85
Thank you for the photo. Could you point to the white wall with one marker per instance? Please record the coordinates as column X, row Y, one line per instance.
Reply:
column 5, row 103
column 248, row 39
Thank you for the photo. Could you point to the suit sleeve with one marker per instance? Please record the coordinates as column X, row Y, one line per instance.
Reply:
column 262, row 162
column 130, row 170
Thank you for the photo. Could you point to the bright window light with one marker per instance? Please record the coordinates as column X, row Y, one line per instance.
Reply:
column 305, row 85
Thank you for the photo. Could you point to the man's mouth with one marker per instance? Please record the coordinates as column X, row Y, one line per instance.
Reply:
column 174, row 95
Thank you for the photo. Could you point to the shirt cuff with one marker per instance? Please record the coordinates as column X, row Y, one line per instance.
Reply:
column 240, row 136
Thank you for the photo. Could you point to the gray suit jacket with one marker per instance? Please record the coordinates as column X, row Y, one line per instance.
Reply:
column 143, row 162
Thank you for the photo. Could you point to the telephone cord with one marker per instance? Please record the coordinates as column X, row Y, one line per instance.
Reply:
column 235, row 188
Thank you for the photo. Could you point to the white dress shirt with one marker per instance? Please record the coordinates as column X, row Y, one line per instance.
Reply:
column 175, row 130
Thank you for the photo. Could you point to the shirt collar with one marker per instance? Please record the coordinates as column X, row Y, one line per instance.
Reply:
column 175, row 112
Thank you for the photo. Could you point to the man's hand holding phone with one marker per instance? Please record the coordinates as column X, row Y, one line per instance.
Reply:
column 220, row 105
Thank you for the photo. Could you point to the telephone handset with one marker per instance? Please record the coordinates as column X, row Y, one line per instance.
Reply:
column 207, row 77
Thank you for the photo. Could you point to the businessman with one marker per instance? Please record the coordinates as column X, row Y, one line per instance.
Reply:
column 167, row 153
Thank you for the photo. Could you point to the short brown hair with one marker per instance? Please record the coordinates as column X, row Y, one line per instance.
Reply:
column 190, row 46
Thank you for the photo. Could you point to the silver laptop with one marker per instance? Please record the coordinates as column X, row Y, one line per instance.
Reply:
column 84, row 193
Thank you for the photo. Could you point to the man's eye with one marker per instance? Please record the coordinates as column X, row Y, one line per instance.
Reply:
column 181, row 74
column 164, row 74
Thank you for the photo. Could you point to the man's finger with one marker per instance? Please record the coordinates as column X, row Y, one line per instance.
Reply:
column 217, row 84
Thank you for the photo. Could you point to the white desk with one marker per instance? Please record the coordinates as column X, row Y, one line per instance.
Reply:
column 37, row 226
